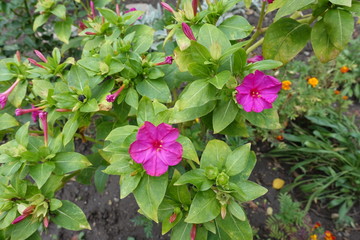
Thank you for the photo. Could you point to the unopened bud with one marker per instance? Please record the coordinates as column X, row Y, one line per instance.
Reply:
column 223, row 211
column 173, row 218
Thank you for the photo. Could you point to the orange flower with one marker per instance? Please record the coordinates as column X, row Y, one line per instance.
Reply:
column 336, row 92
column 329, row 235
column 317, row 225
column 280, row 137
column 286, row 85
column 313, row 81
column 313, row 237
column 344, row 69
column 345, row 97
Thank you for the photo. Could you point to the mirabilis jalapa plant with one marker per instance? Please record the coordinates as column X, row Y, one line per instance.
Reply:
column 132, row 94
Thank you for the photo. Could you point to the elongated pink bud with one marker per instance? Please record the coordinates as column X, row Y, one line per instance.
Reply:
column 82, row 26
column 167, row 7
column 195, row 4
column 117, row 9
column 112, row 97
column 19, row 219
column 173, row 218
column 188, row 32
column 32, row 61
column 18, row 56
column 20, row 111
column 92, row 9
column 63, row 110
column 90, row 33
column 168, row 60
column 29, row 210
column 43, row 118
column 46, row 222
column 40, row 55
column 4, row 96
column 193, row 232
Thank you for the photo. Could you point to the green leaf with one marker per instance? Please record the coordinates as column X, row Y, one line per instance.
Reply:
column 291, row 6
column 71, row 217
column 220, row 79
column 236, row 210
column 268, row 119
column 189, row 151
column 275, row 5
column 236, row 27
column 234, row 229
column 143, row 39
column 63, row 30
column 77, row 78
column 250, row 190
column 154, row 89
column 150, row 193
column 55, row 204
column 41, row 172
column 128, row 183
column 41, row 88
column 346, row 3
column 59, row 11
column 120, row 165
column 18, row 94
column 70, row 161
column 166, row 225
column 100, row 179
column 215, row 154
column 90, row 106
column 340, row 26
column 118, row 135
column 5, row 74
column 285, row 39
column 40, row 20
column 237, row 160
column 7, row 121
column 323, row 48
column 224, row 114
column 22, row 135
column 195, row 177
column 264, row 65
column 109, row 15
column 191, row 113
column 181, row 231
column 146, row 111
column 196, row 94
column 10, row 216
column 69, row 130
column 24, row 229
column 204, row 207
column 132, row 98
column 210, row 34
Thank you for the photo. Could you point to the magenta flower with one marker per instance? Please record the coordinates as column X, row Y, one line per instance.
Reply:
column 167, row 7
column 269, row 1
column 4, row 96
column 92, row 7
column 33, row 110
column 255, row 59
column 168, row 60
column 188, row 32
column 112, row 97
column 257, row 92
column 156, row 148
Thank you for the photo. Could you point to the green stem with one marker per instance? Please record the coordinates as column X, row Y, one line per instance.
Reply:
column 192, row 165
column 258, row 27
column 28, row 12
column 88, row 138
column 253, row 47
column 178, row 2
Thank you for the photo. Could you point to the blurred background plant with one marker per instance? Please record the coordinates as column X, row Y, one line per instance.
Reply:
column 324, row 153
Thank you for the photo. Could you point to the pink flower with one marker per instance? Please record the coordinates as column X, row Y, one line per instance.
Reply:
column 92, row 7
column 4, row 96
column 112, row 97
column 41, row 56
column 43, row 118
column 255, row 59
column 168, row 60
column 188, row 32
column 257, row 92
column 156, row 148
column 82, row 26
column 117, row 9
column 269, row 1
column 167, row 7
column 33, row 110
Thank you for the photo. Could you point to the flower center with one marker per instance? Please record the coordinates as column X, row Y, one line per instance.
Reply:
column 157, row 144
column 254, row 93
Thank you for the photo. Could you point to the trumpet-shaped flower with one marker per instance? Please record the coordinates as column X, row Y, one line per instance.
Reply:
column 257, row 92
column 112, row 97
column 168, row 60
column 156, row 148
column 4, row 96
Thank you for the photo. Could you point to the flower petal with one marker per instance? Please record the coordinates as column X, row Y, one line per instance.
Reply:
column 146, row 132
column 167, row 133
column 260, row 104
column 154, row 166
column 140, row 151
column 171, row 154
column 245, row 100
column 269, row 82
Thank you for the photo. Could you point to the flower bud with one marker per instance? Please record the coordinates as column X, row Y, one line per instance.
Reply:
column 188, row 32
column 223, row 211
column 167, row 7
column 173, row 218
column 211, row 172
column 222, row 179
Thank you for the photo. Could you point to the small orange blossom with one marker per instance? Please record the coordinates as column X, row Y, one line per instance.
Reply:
column 286, row 85
column 344, row 69
column 336, row 92
column 345, row 97
column 313, row 81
